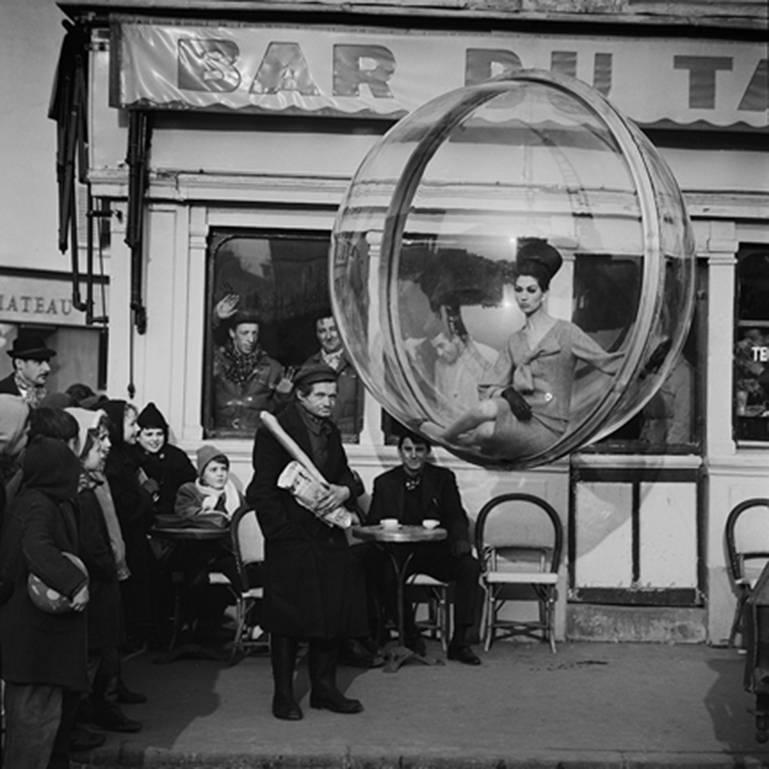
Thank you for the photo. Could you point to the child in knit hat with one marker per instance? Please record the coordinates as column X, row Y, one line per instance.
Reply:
column 212, row 499
column 163, row 466
column 208, row 502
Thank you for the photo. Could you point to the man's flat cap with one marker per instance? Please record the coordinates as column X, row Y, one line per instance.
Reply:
column 314, row 372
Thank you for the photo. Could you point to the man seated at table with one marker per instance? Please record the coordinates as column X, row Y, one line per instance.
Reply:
column 412, row 492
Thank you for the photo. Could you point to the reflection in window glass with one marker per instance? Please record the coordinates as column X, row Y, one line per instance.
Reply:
column 269, row 314
column 669, row 422
column 751, row 345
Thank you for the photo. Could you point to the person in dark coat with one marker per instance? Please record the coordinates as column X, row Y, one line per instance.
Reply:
column 105, row 621
column 412, row 492
column 133, row 506
column 245, row 378
column 166, row 466
column 44, row 654
column 163, row 469
column 312, row 589
column 31, row 368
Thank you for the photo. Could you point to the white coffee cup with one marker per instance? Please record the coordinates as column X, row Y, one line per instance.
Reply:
column 431, row 523
column 390, row 523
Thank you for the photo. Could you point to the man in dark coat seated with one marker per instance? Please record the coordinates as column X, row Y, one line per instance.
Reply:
column 412, row 492
column 311, row 588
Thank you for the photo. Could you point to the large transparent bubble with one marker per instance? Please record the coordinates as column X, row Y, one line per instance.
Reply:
column 445, row 241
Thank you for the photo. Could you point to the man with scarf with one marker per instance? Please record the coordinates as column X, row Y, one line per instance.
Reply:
column 312, row 588
column 412, row 492
column 246, row 379
column 31, row 368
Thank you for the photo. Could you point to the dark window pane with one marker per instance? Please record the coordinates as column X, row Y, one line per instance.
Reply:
column 751, row 345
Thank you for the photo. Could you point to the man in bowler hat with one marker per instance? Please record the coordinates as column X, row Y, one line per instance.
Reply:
column 31, row 367
column 312, row 590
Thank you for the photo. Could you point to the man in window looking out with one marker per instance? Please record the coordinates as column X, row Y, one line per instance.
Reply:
column 347, row 413
column 246, row 379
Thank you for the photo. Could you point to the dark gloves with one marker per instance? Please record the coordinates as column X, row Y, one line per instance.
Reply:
column 460, row 547
column 518, row 404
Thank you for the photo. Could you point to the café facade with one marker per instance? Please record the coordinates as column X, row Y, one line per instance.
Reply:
column 221, row 138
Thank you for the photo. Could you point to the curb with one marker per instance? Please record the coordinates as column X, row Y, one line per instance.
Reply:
column 159, row 758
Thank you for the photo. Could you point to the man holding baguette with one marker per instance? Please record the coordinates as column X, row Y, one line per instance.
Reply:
column 312, row 590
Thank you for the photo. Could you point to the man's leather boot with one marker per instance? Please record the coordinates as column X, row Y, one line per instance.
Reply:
column 283, row 654
column 324, row 693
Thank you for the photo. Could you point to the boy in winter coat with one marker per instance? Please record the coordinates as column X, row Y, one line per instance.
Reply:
column 208, row 502
column 211, row 500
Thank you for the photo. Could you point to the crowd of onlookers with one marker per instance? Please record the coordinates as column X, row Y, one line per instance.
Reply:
column 90, row 486
column 84, row 478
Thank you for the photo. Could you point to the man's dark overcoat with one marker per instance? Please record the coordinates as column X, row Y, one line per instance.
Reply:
column 8, row 385
column 439, row 498
column 312, row 586
column 42, row 648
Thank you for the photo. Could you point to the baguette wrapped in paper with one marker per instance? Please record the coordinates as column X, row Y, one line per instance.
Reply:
column 307, row 490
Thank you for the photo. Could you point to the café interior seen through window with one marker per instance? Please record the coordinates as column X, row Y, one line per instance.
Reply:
column 670, row 423
column 268, row 313
column 751, row 345
column 267, row 295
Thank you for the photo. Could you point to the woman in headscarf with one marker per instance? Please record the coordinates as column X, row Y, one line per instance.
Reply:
column 133, row 506
column 103, row 553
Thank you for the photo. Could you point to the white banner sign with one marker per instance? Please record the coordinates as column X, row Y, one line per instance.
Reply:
column 379, row 73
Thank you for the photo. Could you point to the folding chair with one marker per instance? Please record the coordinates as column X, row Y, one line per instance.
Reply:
column 747, row 546
column 248, row 548
column 519, row 539
column 422, row 588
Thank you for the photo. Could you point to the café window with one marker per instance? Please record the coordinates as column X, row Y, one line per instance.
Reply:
column 751, row 345
column 671, row 422
column 268, row 313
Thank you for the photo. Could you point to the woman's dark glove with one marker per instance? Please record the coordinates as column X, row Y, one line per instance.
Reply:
column 518, row 404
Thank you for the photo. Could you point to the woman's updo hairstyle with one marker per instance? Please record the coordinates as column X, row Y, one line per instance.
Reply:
column 538, row 259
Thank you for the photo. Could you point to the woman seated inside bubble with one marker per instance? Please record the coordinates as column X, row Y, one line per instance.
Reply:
column 526, row 397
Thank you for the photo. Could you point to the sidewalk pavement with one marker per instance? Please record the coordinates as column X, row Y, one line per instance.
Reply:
column 596, row 705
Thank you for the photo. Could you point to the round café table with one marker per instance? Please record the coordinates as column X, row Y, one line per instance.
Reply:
column 398, row 542
column 187, row 537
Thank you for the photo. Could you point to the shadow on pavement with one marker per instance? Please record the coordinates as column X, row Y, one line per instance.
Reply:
column 732, row 710
column 180, row 692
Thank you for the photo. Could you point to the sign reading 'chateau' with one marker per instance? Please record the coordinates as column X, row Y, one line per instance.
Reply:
column 368, row 72
column 41, row 300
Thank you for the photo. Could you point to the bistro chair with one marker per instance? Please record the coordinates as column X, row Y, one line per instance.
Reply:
column 747, row 547
column 422, row 588
column 248, row 549
column 519, row 539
